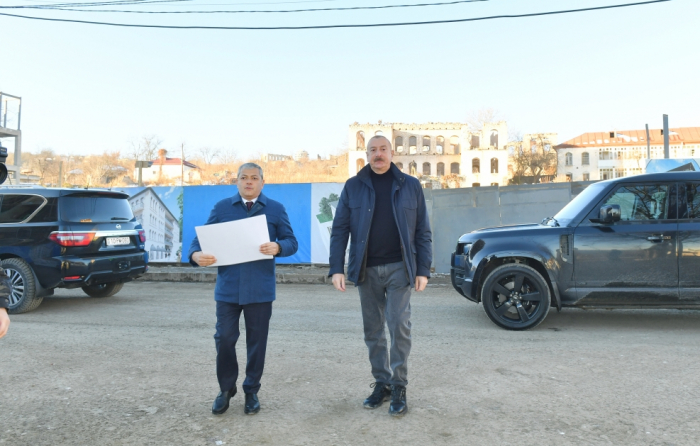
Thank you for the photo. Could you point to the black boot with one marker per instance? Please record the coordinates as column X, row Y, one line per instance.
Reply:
column 398, row 405
column 252, row 404
column 221, row 402
column 380, row 394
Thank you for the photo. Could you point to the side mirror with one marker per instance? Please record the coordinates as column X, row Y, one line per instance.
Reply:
column 609, row 213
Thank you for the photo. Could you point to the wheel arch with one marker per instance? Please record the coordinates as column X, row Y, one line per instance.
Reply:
column 536, row 261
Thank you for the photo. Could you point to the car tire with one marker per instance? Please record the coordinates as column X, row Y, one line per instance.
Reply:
column 22, row 296
column 511, row 308
column 103, row 289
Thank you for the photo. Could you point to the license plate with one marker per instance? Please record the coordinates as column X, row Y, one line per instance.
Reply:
column 116, row 241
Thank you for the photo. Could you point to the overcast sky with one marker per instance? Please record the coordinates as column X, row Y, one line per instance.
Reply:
column 88, row 88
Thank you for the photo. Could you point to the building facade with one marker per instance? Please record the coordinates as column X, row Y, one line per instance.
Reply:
column 162, row 228
column 435, row 150
column 605, row 155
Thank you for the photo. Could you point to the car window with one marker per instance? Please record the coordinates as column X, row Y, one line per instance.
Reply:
column 17, row 208
column 641, row 202
column 692, row 197
column 75, row 208
column 575, row 206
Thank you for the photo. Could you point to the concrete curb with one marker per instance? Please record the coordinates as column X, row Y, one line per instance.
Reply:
column 285, row 274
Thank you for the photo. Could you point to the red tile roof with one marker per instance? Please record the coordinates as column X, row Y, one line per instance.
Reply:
column 685, row 135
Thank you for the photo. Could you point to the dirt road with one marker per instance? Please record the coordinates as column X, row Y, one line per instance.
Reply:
column 138, row 368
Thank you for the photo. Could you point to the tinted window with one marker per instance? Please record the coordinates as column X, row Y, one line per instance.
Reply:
column 575, row 206
column 95, row 209
column 692, row 192
column 49, row 213
column 17, row 208
column 641, row 202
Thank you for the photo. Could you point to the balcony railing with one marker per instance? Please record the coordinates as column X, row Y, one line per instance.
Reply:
column 10, row 111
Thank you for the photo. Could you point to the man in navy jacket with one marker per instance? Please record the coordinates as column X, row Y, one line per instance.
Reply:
column 247, row 288
column 383, row 211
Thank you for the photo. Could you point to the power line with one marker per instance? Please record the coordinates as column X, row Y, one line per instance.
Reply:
column 353, row 8
column 368, row 25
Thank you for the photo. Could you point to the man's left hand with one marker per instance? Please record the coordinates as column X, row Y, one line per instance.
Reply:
column 270, row 249
column 421, row 282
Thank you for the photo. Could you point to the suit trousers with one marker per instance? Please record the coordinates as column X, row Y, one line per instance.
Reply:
column 257, row 323
column 385, row 296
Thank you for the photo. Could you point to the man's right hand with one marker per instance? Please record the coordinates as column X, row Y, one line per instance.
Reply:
column 4, row 322
column 202, row 259
column 339, row 281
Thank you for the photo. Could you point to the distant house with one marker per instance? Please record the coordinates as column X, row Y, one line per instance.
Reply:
column 169, row 168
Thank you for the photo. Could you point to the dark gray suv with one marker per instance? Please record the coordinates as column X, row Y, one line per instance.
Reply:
column 67, row 238
column 627, row 242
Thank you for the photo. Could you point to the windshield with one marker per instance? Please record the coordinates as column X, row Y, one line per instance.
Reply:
column 575, row 206
column 95, row 209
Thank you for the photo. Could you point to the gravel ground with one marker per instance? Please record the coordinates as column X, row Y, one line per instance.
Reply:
column 138, row 368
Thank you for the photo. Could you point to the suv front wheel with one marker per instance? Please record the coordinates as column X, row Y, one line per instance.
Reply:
column 516, row 296
column 103, row 289
column 22, row 296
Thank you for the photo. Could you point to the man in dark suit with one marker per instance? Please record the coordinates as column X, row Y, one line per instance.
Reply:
column 5, row 289
column 247, row 288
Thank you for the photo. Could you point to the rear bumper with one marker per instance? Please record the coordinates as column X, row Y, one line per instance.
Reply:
column 80, row 271
column 461, row 276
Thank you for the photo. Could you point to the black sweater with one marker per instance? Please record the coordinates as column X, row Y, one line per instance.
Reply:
column 384, row 244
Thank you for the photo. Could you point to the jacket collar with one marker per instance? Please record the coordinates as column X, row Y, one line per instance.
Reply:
column 262, row 199
column 399, row 176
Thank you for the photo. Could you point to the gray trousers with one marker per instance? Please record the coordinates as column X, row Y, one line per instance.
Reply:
column 385, row 295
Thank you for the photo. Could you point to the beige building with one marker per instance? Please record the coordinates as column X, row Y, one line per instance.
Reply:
column 479, row 158
column 605, row 155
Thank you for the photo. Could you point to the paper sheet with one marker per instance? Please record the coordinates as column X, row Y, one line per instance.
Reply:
column 235, row 242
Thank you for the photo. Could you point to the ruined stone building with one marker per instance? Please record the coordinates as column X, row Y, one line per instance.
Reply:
column 434, row 150
column 621, row 153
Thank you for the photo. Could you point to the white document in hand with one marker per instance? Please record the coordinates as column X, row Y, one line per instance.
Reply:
column 235, row 242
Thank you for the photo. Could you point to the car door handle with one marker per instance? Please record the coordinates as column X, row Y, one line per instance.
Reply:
column 658, row 238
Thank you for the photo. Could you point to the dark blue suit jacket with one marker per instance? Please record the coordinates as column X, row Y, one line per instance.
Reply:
column 250, row 282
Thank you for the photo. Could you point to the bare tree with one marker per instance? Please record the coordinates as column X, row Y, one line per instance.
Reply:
column 145, row 149
column 533, row 159
column 477, row 119
column 228, row 157
column 208, row 154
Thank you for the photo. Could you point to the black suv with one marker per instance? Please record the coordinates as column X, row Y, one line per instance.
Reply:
column 627, row 242
column 67, row 238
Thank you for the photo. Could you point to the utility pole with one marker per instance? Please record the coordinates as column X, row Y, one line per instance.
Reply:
column 60, row 174
column 648, row 144
column 666, row 149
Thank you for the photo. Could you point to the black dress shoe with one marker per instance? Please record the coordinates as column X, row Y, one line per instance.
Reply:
column 398, row 405
column 252, row 404
column 381, row 393
column 221, row 402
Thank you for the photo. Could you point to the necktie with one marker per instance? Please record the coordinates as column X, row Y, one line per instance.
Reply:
column 249, row 204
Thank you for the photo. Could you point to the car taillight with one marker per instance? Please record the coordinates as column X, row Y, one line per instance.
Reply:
column 142, row 235
column 72, row 238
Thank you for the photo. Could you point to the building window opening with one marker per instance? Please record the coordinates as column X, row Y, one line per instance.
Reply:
column 439, row 145
column 426, row 143
column 569, row 159
column 494, row 165
column 454, row 168
column 454, row 142
column 476, row 165
column 360, row 139
column 440, row 169
column 476, row 184
column 426, row 168
column 360, row 164
column 585, row 159
column 475, row 143
column 494, row 138
column 412, row 145
column 398, row 143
